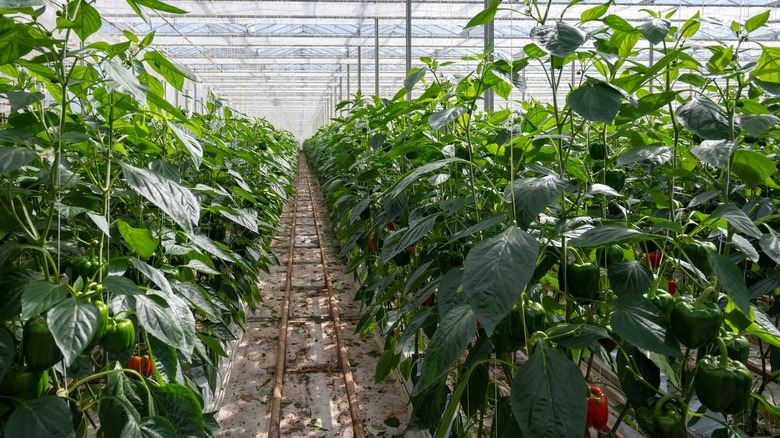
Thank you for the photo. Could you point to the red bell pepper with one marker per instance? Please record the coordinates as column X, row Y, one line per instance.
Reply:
column 598, row 409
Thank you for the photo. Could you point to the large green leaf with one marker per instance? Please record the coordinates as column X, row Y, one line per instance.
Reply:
column 154, row 274
column 754, row 168
column 732, row 279
column 122, row 80
column 716, row 153
column 608, row 234
column 82, row 18
column 559, row 39
column 174, row 199
column 20, row 99
column 12, row 158
column 655, row 29
column 187, row 140
column 439, row 119
column 157, row 319
column 619, row 23
column 21, row 4
column 454, row 333
column 166, row 361
column 768, row 69
column 531, row 196
column 358, row 209
column 150, row 427
column 178, row 404
column 757, row 21
column 736, row 218
column 639, row 322
column 415, row 175
column 496, row 271
column 173, row 73
column 13, row 285
column 40, row 296
column 629, row 278
column 119, row 285
column 7, row 351
column 245, row 217
column 414, row 77
column 706, row 119
column 596, row 101
column 645, row 105
column 47, row 416
column 73, row 323
column 140, row 240
column 450, row 294
column 400, row 240
column 595, row 12
column 763, row 327
column 645, row 156
column 213, row 248
column 770, row 244
column 577, row 336
column 757, row 124
column 548, row 395
column 121, row 399
column 12, row 46
column 485, row 16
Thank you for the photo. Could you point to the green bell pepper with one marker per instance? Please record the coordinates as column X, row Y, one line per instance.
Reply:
column 663, row 417
column 509, row 334
column 24, row 383
column 605, row 256
column 697, row 252
column 119, row 336
column 582, row 280
column 696, row 323
column 722, row 385
column 102, row 325
column 40, row 350
column 597, row 150
column 737, row 347
column 664, row 302
column 615, row 178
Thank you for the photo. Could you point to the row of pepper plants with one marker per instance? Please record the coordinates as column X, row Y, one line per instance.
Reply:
column 630, row 222
column 131, row 231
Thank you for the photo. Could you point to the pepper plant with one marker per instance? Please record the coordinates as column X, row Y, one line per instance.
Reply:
column 636, row 180
column 128, row 227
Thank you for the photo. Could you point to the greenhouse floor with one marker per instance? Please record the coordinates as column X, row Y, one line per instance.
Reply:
column 314, row 402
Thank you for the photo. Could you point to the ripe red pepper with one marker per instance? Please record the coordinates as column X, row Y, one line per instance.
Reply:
column 391, row 226
column 429, row 301
column 371, row 243
column 671, row 286
column 142, row 364
column 654, row 259
column 598, row 409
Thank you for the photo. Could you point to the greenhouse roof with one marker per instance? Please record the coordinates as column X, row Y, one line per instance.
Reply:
column 292, row 61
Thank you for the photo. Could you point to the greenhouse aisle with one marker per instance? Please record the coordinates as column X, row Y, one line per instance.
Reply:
column 314, row 402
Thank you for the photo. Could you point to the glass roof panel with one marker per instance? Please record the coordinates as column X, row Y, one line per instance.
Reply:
column 291, row 61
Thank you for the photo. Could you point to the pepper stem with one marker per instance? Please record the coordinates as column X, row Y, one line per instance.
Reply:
column 665, row 399
column 704, row 295
column 724, row 352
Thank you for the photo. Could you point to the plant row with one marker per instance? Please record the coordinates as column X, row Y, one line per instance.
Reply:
column 631, row 222
column 131, row 231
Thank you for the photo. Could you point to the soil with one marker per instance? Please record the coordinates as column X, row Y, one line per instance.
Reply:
column 314, row 399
